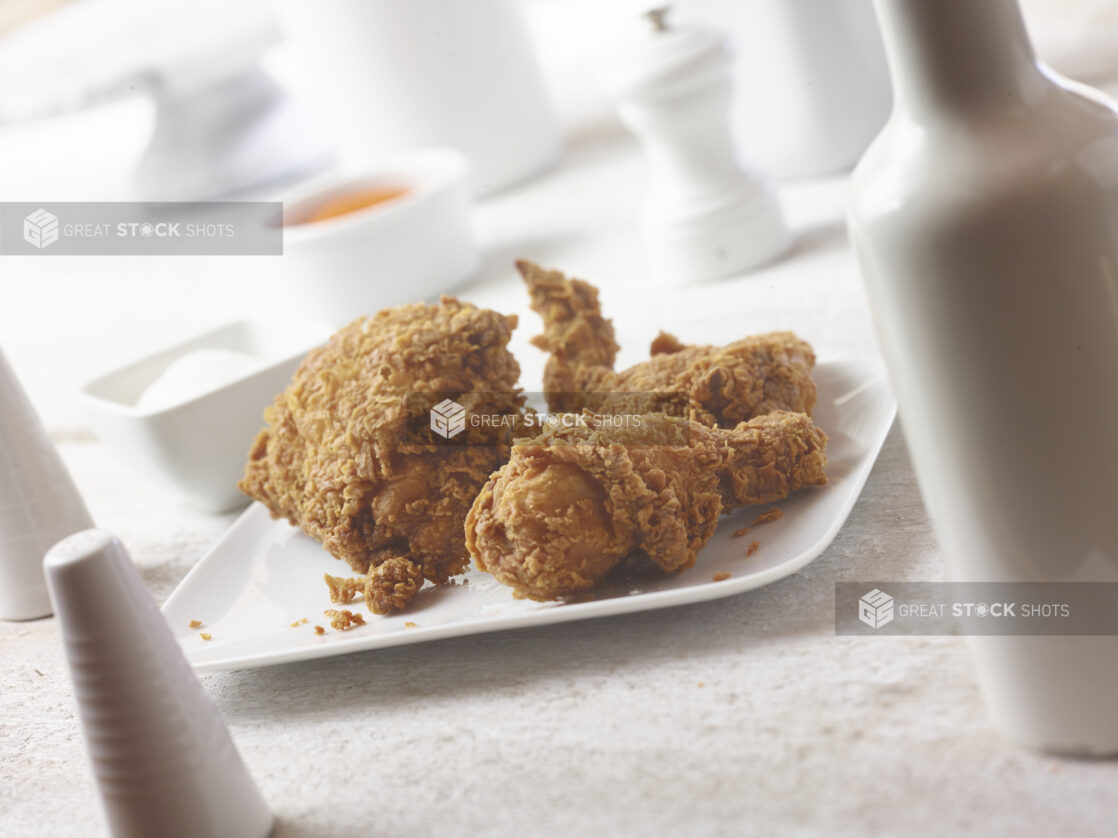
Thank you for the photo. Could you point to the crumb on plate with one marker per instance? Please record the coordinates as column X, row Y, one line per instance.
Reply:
column 343, row 620
column 195, row 624
column 753, row 545
column 772, row 515
column 205, row 636
column 409, row 625
column 319, row 630
column 300, row 622
column 741, row 532
column 392, row 584
column 722, row 577
column 343, row 590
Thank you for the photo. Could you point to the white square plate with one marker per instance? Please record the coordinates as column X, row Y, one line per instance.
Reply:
column 263, row 575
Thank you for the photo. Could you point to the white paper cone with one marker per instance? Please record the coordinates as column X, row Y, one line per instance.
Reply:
column 39, row 503
column 163, row 758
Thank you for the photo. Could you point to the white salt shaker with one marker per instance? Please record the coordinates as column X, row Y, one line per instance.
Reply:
column 706, row 215
column 39, row 503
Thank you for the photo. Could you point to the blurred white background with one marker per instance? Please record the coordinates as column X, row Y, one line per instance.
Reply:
column 65, row 319
column 90, row 153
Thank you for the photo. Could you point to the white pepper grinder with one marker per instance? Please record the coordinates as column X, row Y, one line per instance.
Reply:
column 705, row 215
column 985, row 219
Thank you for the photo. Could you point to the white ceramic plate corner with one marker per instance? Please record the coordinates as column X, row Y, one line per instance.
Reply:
column 264, row 575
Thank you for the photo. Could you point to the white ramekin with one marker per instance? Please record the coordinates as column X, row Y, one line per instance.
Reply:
column 403, row 250
column 198, row 447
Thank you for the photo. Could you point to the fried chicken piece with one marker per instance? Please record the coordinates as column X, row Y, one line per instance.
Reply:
column 335, row 458
column 575, row 502
column 718, row 386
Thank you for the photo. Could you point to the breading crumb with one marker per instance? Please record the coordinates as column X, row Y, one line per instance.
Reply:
column 741, row 532
column 753, row 545
column 195, row 624
column 205, row 636
column 344, row 620
column 409, row 625
column 772, row 515
column 319, row 630
column 342, row 590
column 392, row 584
column 300, row 622
column 722, row 577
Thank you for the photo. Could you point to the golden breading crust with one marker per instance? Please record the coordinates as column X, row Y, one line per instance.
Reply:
column 575, row 502
column 334, row 460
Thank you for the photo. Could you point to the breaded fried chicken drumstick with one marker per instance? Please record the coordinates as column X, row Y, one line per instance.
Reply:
column 334, row 461
column 721, row 386
column 574, row 502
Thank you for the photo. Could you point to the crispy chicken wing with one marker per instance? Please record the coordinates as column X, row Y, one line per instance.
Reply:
column 574, row 502
column 718, row 386
column 335, row 459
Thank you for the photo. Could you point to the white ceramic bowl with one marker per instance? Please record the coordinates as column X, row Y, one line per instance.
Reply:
column 400, row 251
column 198, row 446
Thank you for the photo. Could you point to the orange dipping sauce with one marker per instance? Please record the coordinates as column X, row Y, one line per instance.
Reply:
column 344, row 204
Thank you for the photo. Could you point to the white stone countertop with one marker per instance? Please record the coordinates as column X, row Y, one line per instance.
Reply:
column 742, row 716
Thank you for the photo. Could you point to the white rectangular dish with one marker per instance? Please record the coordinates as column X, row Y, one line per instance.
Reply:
column 197, row 447
column 264, row 575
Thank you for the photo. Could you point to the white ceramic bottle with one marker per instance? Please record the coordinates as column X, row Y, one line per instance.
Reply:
column 985, row 219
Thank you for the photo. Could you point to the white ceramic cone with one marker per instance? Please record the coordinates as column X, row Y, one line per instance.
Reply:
column 39, row 503
column 162, row 756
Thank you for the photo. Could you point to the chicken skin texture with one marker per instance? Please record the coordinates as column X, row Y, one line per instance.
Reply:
column 573, row 503
column 718, row 386
column 335, row 458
